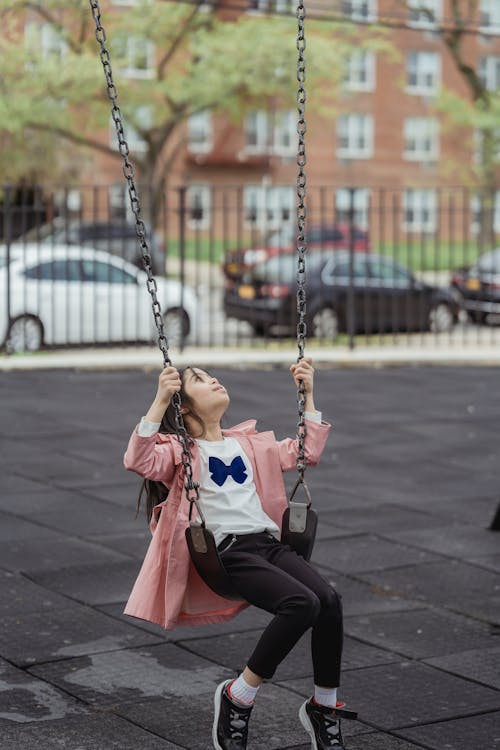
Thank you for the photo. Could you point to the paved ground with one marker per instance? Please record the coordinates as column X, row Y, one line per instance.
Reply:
column 408, row 485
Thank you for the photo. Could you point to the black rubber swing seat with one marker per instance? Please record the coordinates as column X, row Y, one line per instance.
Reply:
column 299, row 526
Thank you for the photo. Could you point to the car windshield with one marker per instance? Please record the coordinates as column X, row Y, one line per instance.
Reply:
column 283, row 268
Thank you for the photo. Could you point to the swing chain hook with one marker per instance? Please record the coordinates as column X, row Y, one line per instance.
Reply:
column 301, row 233
column 192, row 488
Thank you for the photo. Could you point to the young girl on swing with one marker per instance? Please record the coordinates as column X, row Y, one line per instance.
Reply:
column 242, row 495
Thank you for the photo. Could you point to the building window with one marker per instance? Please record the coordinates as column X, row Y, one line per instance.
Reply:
column 360, row 71
column 271, row 133
column 268, row 208
column 489, row 16
column 200, row 132
column 137, row 57
column 355, row 136
column 423, row 72
column 359, row 10
column 425, row 14
column 421, row 139
column 361, row 205
column 476, row 213
column 44, row 43
column 420, row 210
column 140, row 120
column 267, row 6
column 489, row 72
column 199, row 206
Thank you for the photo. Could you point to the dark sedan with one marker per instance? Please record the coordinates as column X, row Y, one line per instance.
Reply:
column 385, row 296
column 479, row 286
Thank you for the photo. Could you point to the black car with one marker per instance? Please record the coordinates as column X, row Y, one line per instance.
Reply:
column 116, row 237
column 386, row 296
column 479, row 286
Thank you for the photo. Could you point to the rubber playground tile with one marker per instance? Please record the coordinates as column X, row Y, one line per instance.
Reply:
column 44, row 499
column 123, row 492
column 54, row 467
column 379, row 741
column 479, row 664
column 85, row 516
column 453, row 540
column 93, row 732
column 477, row 511
column 164, row 671
column 14, row 528
column 18, row 596
column 468, row 733
column 38, row 556
column 61, row 633
column 133, row 543
column 16, row 484
column 248, row 619
column 360, row 598
column 421, row 633
column 381, row 518
column 458, row 586
column 93, row 584
column 233, row 651
column 274, row 723
column 366, row 553
column 491, row 562
column 25, row 698
column 405, row 694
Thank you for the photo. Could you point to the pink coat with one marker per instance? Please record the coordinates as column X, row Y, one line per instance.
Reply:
column 168, row 590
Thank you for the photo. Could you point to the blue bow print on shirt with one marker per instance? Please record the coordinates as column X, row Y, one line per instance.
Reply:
column 219, row 472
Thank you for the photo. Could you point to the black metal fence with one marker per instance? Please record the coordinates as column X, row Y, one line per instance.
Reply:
column 384, row 267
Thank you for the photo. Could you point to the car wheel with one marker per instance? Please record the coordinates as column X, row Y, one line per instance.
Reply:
column 177, row 326
column 441, row 318
column 325, row 324
column 25, row 335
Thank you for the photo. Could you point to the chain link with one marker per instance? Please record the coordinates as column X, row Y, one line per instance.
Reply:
column 192, row 488
column 301, row 232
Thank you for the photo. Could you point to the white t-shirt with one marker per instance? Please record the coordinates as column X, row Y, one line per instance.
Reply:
column 228, row 495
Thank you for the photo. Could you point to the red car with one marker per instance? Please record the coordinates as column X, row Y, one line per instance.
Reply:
column 334, row 237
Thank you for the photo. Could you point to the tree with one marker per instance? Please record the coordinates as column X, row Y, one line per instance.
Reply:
column 480, row 113
column 187, row 59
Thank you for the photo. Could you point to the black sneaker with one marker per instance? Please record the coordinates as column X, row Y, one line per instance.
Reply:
column 322, row 725
column 230, row 729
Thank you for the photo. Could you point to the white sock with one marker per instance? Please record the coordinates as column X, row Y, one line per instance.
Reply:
column 325, row 696
column 241, row 691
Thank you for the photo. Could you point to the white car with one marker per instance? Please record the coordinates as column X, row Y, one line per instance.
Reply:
column 64, row 294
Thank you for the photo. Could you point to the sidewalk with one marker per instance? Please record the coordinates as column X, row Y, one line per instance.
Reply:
column 406, row 489
column 150, row 357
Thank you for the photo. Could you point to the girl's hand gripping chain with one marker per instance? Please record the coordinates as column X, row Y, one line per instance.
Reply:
column 304, row 371
column 169, row 383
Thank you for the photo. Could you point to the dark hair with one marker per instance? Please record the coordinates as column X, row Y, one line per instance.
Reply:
column 156, row 492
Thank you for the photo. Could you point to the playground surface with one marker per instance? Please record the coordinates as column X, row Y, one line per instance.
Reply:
column 407, row 487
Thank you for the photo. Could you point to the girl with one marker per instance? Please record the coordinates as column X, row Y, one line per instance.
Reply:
column 242, row 495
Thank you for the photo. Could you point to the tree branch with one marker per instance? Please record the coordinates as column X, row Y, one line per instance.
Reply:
column 80, row 140
column 183, row 31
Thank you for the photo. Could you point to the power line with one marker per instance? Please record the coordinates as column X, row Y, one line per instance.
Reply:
column 392, row 20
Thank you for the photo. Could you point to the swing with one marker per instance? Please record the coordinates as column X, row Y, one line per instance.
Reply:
column 299, row 519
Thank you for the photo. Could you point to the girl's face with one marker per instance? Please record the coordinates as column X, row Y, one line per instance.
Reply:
column 209, row 398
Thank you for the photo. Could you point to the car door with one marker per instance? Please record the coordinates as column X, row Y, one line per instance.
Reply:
column 112, row 300
column 49, row 289
column 399, row 298
column 336, row 287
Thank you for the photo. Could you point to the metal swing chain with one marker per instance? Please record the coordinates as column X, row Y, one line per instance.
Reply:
column 301, row 233
column 192, row 489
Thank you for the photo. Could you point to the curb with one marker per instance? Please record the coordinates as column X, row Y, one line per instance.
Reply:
column 150, row 358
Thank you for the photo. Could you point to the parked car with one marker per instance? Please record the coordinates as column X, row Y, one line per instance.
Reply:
column 479, row 286
column 386, row 296
column 73, row 295
column 283, row 242
column 117, row 237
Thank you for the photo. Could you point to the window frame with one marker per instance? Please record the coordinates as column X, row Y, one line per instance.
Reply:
column 416, row 194
column 418, row 88
column 347, row 126
column 425, row 129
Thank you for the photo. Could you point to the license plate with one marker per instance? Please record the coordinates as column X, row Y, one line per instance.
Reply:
column 246, row 291
column 473, row 284
column 233, row 268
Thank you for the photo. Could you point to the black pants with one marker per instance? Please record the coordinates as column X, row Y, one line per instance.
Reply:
column 273, row 577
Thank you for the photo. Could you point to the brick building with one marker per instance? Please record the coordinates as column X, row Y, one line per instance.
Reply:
column 386, row 134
